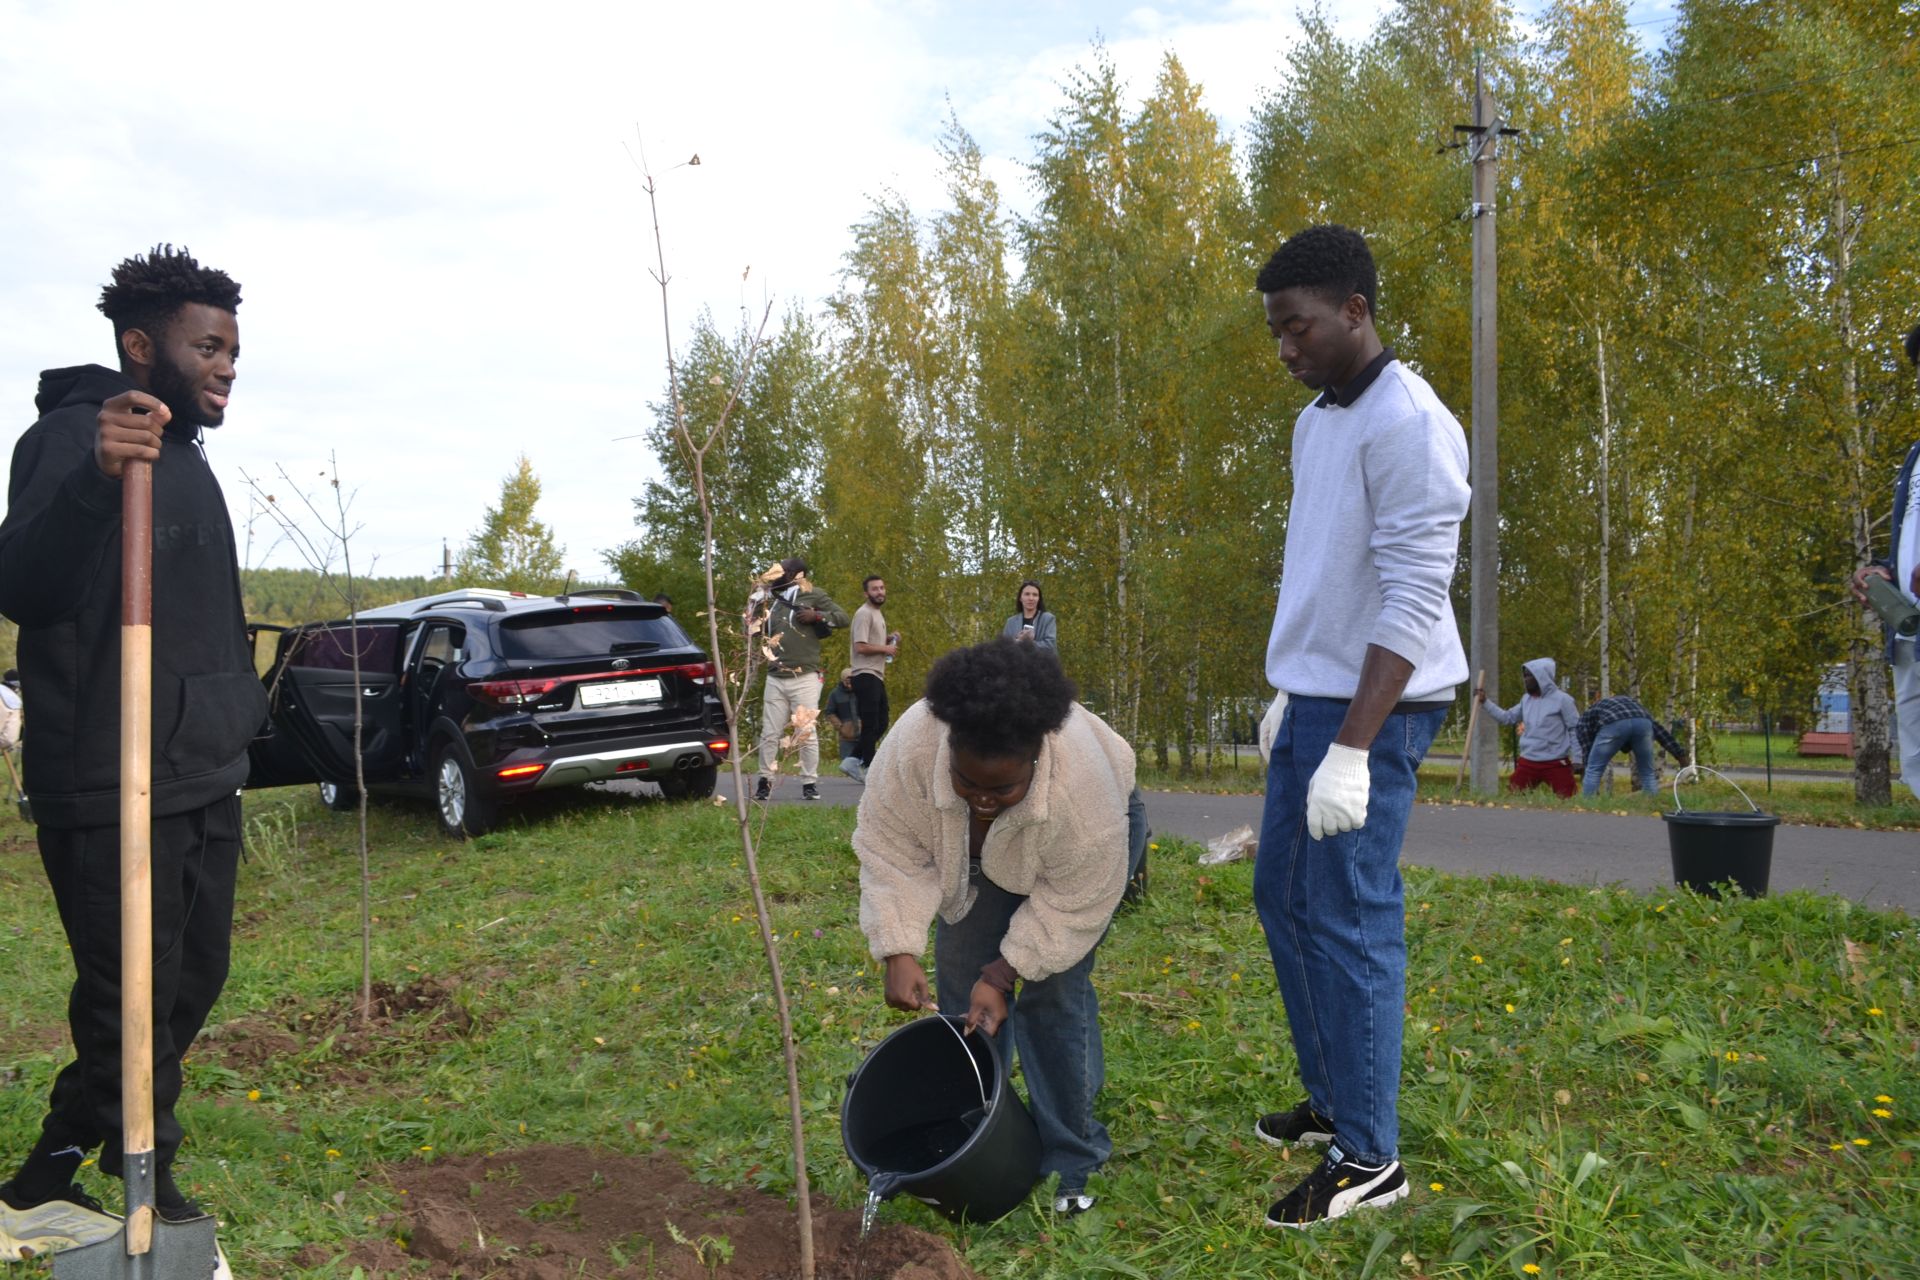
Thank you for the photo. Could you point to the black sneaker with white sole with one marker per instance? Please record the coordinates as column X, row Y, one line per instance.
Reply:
column 809, row 792
column 1337, row 1188
column 763, row 790
column 1302, row 1124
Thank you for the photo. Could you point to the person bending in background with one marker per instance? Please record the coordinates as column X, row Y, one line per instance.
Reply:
column 1617, row 724
column 1547, row 715
column 996, row 812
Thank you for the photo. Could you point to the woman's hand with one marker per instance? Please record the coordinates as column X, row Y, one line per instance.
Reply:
column 907, row 984
column 986, row 1008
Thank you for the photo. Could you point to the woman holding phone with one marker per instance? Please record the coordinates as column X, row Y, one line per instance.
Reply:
column 1031, row 623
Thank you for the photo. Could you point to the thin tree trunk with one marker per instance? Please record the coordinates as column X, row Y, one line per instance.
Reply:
column 1606, row 511
column 1866, row 676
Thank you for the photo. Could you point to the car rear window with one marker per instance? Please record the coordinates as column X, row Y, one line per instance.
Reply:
column 592, row 632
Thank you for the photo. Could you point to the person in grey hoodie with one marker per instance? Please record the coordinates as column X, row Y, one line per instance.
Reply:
column 1548, row 748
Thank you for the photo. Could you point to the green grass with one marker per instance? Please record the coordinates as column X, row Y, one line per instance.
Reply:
column 1597, row 1083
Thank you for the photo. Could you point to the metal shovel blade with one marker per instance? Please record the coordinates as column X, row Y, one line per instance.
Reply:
column 176, row 1251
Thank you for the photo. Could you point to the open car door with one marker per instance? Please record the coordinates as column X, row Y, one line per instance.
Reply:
column 311, row 692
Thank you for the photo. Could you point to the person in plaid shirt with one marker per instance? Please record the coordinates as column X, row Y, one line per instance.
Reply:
column 1617, row 724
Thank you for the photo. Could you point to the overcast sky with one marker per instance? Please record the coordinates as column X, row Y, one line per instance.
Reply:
column 441, row 237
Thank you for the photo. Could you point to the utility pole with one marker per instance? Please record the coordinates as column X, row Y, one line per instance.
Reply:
column 446, row 561
column 1484, row 474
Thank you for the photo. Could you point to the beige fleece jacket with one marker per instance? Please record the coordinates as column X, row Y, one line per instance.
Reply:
column 1064, row 845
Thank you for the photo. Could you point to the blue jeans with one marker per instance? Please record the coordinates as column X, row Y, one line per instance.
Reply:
column 1611, row 739
column 1055, row 1022
column 1335, row 925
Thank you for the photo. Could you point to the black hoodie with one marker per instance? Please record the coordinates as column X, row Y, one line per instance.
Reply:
column 60, row 581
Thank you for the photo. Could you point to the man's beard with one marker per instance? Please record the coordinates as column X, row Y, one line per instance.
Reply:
column 171, row 386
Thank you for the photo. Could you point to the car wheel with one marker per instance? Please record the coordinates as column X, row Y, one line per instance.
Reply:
column 691, row 784
column 338, row 798
column 465, row 808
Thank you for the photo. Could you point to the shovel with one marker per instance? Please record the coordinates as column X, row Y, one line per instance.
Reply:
column 145, row 1247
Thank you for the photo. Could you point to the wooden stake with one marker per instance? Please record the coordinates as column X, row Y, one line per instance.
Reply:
column 1473, row 719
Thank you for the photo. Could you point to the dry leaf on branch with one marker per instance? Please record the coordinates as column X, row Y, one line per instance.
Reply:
column 803, row 717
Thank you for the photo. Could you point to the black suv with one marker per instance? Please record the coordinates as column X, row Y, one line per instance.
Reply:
column 475, row 698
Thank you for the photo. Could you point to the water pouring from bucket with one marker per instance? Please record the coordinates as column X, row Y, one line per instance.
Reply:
column 932, row 1113
column 1712, row 849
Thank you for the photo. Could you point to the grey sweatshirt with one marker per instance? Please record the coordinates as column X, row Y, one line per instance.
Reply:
column 1379, row 490
column 1546, row 722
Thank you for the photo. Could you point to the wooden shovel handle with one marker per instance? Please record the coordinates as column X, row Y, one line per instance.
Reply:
column 136, row 806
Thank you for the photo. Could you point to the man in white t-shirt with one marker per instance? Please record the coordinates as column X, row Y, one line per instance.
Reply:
column 873, row 647
column 1902, row 568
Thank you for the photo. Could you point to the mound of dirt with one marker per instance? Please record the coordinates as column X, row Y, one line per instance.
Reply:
column 554, row 1213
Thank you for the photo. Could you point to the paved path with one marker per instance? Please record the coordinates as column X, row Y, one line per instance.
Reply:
column 1875, row 868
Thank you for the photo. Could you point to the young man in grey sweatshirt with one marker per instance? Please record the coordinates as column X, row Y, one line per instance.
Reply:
column 1548, row 749
column 1365, row 656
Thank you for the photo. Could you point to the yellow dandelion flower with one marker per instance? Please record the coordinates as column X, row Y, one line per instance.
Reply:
column 253, row 1095
column 1233, row 977
column 1836, row 1146
column 1436, row 1186
column 332, row 1154
column 1876, row 1012
column 1566, row 960
column 1193, row 1026
column 1478, row 960
column 1661, row 907
column 1731, row 1055
column 1883, row 1113
column 1566, row 942
column 1509, row 1006
column 1152, row 845
column 1209, row 1248
column 1881, row 1097
column 1863, row 1142
column 1531, row 1268
column 426, row 1149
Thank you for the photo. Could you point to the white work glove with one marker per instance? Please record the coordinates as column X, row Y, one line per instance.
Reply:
column 1270, row 725
column 1337, row 795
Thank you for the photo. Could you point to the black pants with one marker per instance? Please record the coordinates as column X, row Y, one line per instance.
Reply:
column 870, row 695
column 195, row 856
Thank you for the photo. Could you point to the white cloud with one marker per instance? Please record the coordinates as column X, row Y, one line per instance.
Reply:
column 444, row 246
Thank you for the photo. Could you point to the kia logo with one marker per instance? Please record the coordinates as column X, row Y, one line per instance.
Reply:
column 621, row 664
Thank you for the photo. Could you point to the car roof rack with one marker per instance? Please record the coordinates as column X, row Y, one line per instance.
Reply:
column 492, row 602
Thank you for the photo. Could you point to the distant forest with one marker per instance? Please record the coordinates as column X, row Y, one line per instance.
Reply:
column 288, row 596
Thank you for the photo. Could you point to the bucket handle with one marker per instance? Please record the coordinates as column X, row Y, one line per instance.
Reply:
column 1681, row 776
column 968, row 1050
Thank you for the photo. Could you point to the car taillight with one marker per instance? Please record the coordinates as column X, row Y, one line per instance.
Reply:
column 520, row 770
column 697, row 672
column 719, row 746
column 512, row 693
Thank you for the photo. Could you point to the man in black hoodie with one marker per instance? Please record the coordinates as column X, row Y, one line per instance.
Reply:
column 173, row 324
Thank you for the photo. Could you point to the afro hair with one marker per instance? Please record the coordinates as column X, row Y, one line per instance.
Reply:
column 148, row 292
column 999, row 699
column 1330, row 260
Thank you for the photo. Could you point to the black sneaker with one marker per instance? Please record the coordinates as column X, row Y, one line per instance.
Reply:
column 808, row 791
column 1302, row 1124
column 1337, row 1188
column 66, row 1221
column 764, row 789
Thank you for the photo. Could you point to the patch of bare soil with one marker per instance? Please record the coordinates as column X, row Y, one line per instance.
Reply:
column 548, row 1213
column 424, row 1012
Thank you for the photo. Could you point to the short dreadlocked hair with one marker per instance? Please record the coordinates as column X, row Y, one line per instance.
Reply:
column 999, row 698
column 148, row 292
column 1331, row 260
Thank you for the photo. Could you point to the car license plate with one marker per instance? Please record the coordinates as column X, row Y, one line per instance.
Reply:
column 602, row 695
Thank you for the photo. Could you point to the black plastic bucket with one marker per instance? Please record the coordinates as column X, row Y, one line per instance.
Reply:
column 1711, row 849
column 914, row 1121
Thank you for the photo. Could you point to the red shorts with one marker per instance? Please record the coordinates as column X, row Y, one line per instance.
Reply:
column 1528, row 774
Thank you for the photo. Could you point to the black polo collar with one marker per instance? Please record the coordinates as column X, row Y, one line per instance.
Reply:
column 1343, row 397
